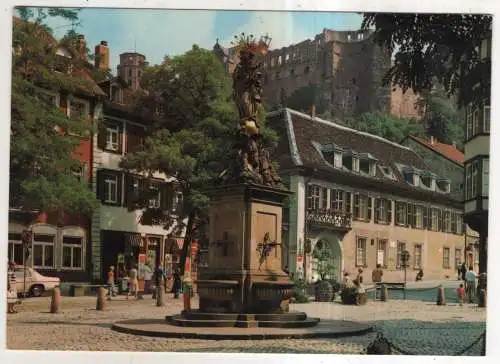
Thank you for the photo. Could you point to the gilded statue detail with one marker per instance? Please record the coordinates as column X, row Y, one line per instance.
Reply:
column 253, row 163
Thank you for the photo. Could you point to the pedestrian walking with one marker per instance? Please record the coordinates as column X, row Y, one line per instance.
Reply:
column 133, row 283
column 111, row 283
column 377, row 275
column 11, row 298
column 420, row 275
column 461, row 294
column 463, row 271
column 148, row 276
column 470, row 284
column 176, row 289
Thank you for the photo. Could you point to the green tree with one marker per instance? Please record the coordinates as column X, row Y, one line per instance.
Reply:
column 441, row 118
column 325, row 264
column 436, row 47
column 387, row 126
column 41, row 150
column 304, row 97
column 192, row 138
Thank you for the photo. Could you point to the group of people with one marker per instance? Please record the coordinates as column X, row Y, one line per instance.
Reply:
column 468, row 287
column 355, row 283
column 132, row 279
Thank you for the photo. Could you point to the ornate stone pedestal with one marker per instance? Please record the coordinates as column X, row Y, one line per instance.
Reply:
column 244, row 274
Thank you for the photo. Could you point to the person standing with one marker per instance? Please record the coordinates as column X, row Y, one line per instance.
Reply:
column 111, row 282
column 463, row 271
column 148, row 276
column 377, row 275
column 177, row 284
column 461, row 294
column 470, row 284
column 133, row 282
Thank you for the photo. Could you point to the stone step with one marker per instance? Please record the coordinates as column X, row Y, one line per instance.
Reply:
column 178, row 320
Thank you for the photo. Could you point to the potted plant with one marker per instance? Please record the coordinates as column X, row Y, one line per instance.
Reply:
column 325, row 267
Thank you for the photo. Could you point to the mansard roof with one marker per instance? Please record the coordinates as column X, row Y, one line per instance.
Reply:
column 305, row 140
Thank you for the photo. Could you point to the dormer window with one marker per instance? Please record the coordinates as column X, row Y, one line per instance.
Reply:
column 428, row 181
column 387, row 172
column 337, row 160
column 367, row 166
column 444, row 185
column 347, row 162
column 355, row 164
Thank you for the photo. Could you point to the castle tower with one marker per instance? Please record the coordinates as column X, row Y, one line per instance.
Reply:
column 131, row 68
column 102, row 56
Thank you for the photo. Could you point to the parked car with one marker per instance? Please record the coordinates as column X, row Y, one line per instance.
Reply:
column 36, row 283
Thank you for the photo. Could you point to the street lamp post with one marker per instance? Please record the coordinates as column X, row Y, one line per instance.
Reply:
column 405, row 258
column 26, row 238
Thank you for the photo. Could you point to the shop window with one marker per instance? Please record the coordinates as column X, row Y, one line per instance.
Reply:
column 15, row 249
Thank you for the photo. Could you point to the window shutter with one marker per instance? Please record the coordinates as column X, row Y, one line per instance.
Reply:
column 409, row 220
column 440, row 220
column 309, row 196
column 370, row 207
column 454, row 223
column 100, row 185
column 377, row 216
column 324, row 198
column 128, row 199
column 101, row 136
column 348, row 206
column 333, row 195
column 166, row 194
column 389, row 211
column 120, row 138
column 426, row 216
column 356, row 206
column 119, row 188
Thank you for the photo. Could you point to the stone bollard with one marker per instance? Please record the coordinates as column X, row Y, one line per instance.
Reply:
column 186, row 295
column 101, row 299
column 441, row 300
column 384, row 293
column 55, row 302
column 482, row 298
column 160, row 297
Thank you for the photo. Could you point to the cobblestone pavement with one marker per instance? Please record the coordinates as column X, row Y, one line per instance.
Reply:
column 415, row 326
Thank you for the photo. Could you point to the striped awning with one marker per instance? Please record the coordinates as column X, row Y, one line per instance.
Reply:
column 133, row 239
column 174, row 244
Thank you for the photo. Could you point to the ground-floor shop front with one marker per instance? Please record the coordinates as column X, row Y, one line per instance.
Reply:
column 125, row 250
column 438, row 255
column 55, row 251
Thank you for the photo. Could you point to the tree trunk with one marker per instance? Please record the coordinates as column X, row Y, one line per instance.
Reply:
column 187, row 240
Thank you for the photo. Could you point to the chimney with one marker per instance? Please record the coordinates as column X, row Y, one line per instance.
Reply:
column 313, row 110
column 102, row 56
column 82, row 46
column 433, row 140
column 454, row 145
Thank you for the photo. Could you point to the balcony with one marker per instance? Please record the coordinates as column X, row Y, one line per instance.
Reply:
column 330, row 219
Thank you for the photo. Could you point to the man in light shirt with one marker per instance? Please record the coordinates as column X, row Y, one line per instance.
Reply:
column 470, row 282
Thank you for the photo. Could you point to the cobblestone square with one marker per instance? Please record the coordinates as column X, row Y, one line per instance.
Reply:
column 415, row 326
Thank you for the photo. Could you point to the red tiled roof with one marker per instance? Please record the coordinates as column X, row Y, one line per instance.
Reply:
column 447, row 150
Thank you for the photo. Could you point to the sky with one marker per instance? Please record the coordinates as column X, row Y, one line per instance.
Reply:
column 161, row 32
